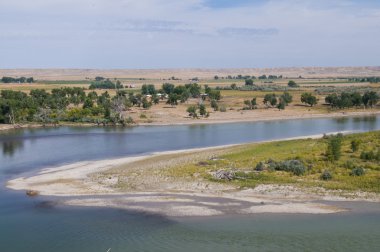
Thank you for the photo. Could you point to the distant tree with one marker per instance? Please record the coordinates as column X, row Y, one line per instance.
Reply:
column 248, row 104
column 356, row 99
column 99, row 78
column 148, row 89
column 216, row 77
column 370, row 98
column 145, row 103
column 92, row 95
column 156, row 99
column 309, row 99
column 254, row 103
column 202, row 110
column 332, row 99
column 185, row 96
column 270, row 99
column 173, row 100
column 281, row 105
column 88, row 103
column 192, row 110
column 233, row 86
column 249, row 82
column 292, row 84
column 214, row 95
column 214, row 105
column 287, row 98
column 168, row 88
column 194, row 89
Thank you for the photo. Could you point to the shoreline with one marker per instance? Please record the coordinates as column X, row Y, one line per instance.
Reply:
column 9, row 127
column 177, row 197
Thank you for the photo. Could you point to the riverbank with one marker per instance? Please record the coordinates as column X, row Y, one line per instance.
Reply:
column 154, row 183
column 228, row 117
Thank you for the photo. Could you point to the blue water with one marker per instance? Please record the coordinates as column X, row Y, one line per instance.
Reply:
column 42, row 224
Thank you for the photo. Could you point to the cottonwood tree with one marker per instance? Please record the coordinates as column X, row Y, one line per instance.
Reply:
column 309, row 99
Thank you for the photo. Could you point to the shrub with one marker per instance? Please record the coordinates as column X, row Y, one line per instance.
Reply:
column 355, row 145
column 260, row 166
column 129, row 120
column 369, row 155
column 326, row 175
column 222, row 108
column 295, row 166
column 292, row 84
column 358, row 171
column 334, row 147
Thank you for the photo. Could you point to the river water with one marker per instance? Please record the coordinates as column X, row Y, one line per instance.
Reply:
column 41, row 224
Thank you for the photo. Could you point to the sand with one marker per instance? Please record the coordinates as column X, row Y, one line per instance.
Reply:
column 95, row 183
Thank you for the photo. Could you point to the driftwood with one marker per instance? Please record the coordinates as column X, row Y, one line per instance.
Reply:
column 226, row 175
column 31, row 193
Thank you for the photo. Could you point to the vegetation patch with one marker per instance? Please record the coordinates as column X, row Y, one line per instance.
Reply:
column 328, row 162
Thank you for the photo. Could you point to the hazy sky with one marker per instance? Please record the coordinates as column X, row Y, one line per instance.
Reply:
column 188, row 33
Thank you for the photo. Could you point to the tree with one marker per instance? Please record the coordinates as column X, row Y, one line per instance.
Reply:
column 146, row 104
column 233, row 86
column 214, row 95
column 88, row 103
column 194, row 89
column 270, row 99
column 356, row 99
column 370, row 98
column 249, row 82
column 292, row 84
column 185, row 96
column 192, row 110
column 202, row 110
column 168, row 88
column 216, row 77
column 148, row 89
column 334, row 147
column 173, row 100
column 308, row 98
column 281, row 105
column 287, row 98
column 254, row 103
column 214, row 105
column 248, row 104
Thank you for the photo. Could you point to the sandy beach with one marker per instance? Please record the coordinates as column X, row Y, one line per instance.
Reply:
column 142, row 183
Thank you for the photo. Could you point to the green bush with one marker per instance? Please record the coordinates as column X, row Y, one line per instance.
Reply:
column 326, row 175
column 358, row 171
column 370, row 155
column 294, row 166
column 260, row 166
column 355, row 145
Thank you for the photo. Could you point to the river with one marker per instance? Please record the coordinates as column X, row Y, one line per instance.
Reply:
column 40, row 224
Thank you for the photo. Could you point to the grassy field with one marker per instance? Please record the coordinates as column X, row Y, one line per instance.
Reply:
column 311, row 152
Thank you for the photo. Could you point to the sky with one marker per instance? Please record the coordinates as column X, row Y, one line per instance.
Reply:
column 146, row 34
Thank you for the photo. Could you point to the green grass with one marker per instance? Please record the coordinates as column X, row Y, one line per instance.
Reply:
column 311, row 152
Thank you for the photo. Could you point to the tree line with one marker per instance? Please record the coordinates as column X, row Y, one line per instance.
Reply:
column 354, row 99
column 6, row 79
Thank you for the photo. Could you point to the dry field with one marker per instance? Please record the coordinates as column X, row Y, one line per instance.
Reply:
column 232, row 100
column 290, row 72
